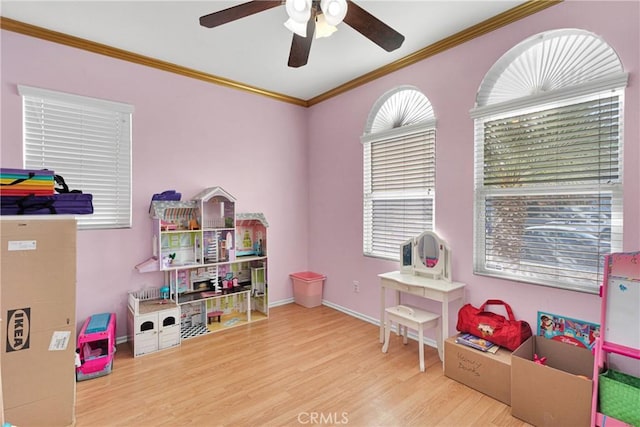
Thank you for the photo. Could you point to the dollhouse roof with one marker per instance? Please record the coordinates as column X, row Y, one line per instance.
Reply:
column 211, row 192
column 160, row 208
column 250, row 217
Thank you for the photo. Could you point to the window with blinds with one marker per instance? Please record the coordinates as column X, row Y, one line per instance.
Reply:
column 549, row 192
column 88, row 142
column 399, row 171
column 398, row 191
column 548, row 161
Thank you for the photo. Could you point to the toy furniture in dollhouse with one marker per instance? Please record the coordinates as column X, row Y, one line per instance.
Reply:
column 616, row 395
column 214, row 316
column 259, row 288
column 214, row 313
column 96, row 346
column 411, row 317
column 152, row 322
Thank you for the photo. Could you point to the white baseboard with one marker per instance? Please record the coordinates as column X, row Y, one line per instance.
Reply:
column 281, row 302
column 428, row 341
column 413, row 335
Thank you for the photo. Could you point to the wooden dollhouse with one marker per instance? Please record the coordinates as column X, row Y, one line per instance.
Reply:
column 214, row 262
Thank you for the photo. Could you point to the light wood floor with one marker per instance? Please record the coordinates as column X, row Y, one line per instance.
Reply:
column 302, row 366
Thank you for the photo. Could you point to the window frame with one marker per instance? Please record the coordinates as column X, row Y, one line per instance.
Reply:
column 614, row 190
column 555, row 67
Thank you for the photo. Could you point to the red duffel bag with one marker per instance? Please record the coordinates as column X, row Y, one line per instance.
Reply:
column 508, row 333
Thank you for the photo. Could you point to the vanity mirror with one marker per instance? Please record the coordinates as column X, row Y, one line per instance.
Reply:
column 426, row 255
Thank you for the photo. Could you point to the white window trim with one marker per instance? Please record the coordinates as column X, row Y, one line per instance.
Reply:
column 75, row 99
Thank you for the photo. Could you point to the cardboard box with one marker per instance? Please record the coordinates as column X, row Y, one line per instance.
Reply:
column 554, row 394
column 38, row 338
column 488, row 373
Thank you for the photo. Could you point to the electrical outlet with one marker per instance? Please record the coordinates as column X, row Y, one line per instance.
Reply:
column 356, row 286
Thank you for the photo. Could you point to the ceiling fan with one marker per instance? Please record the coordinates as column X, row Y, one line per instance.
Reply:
column 310, row 16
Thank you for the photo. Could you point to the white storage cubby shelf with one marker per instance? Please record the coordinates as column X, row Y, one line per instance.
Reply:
column 214, row 261
column 152, row 322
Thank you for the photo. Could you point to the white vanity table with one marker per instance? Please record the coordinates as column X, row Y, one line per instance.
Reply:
column 425, row 272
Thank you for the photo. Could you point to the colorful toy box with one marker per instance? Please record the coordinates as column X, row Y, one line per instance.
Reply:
column 96, row 346
column 567, row 330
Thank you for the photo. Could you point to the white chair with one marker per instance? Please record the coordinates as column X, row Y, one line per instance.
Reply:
column 411, row 317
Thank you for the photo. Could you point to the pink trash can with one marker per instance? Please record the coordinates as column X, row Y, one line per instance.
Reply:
column 307, row 288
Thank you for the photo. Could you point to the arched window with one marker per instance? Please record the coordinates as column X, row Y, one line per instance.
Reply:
column 399, row 171
column 548, row 161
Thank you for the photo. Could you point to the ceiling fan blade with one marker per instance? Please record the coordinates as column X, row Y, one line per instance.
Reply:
column 236, row 12
column 301, row 46
column 372, row 28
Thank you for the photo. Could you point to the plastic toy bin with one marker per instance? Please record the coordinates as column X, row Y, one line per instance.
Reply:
column 307, row 288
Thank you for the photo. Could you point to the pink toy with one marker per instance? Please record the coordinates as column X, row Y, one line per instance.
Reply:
column 539, row 360
column 96, row 346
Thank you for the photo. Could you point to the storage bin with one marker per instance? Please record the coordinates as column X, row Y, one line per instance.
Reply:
column 619, row 396
column 535, row 388
column 307, row 288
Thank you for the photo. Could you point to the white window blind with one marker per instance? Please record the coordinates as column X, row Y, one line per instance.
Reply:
column 88, row 142
column 399, row 179
column 549, row 192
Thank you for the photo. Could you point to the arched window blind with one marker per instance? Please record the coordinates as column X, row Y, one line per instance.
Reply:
column 88, row 142
column 548, row 160
column 399, row 171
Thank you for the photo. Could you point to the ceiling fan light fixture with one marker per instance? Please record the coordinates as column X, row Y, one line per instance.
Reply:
column 298, row 10
column 300, row 28
column 323, row 29
column 334, row 11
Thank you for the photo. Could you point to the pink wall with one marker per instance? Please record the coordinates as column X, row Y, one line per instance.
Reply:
column 259, row 149
column 187, row 135
column 450, row 80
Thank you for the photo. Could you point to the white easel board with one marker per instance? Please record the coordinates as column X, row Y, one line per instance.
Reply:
column 622, row 311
